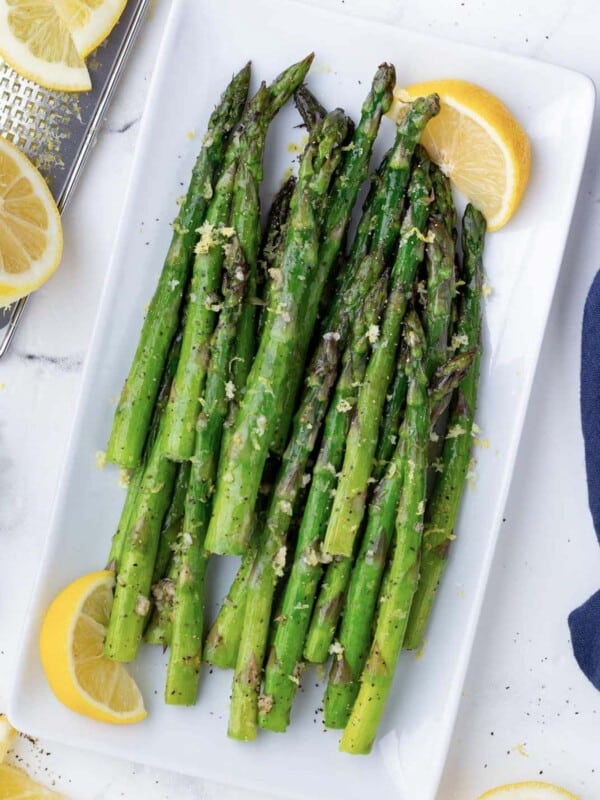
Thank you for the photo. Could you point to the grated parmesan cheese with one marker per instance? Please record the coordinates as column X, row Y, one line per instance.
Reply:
column 279, row 561
column 455, row 431
column 373, row 334
column 142, row 605
column 336, row 649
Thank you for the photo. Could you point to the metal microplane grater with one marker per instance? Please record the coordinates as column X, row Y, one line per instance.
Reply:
column 57, row 129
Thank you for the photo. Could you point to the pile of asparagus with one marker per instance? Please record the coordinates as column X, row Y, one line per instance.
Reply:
column 303, row 403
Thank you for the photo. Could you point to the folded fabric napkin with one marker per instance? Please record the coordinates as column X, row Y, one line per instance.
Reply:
column 584, row 622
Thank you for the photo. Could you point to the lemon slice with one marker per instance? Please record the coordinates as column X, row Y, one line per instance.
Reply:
column 71, row 650
column 530, row 790
column 36, row 43
column 477, row 143
column 30, row 229
column 16, row 785
column 89, row 21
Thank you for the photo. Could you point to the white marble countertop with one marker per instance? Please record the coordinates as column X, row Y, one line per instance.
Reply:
column 527, row 712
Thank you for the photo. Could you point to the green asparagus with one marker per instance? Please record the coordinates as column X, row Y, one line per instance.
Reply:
column 286, row 653
column 442, row 509
column 367, row 572
column 271, row 555
column 246, row 221
column 172, row 524
column 440, row 292
column 309, row 108
column 223, row 639
column 188, row 607
column 266, row 389
column 338, row 211
column 137, row 474
column 401, row 582
column 361, row 443
column 134, row 411
column 140, row 544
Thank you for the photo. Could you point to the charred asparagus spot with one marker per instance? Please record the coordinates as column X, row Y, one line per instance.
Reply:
column 309, row 108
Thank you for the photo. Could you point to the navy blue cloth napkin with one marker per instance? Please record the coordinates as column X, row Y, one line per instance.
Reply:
column 584, row 622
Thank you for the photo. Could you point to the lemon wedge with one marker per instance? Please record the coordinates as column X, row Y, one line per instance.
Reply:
column 16, row 785
column 89, row 21
column 478, row 143
column 71, row 650
column 530, row 790
column 30, row 228
column 36, row 42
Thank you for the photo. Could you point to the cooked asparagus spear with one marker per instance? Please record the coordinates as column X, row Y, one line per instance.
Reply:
column 392, row 416
column 338, row 211
column 271, row 555
column 188, row 607
column 286, row 653
column 442, row 509
column 246, row 221
column 410, row 252
column 309, row 108
column 351, row 492
column 440, row 292
column 138, row 555
column 401, row 582
column 134, row 411
column 271, row 250
column 172, row 524
column 223, row 639
column 443, row 200
column 188, row 383
column 363, row 590
column 267, row 386
column 246, row 168
column 138, row 473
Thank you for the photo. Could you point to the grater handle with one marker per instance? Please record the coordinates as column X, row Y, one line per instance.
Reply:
column 16, row 311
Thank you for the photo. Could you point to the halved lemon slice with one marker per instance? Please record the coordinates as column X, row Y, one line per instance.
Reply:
column 36, row 43
column 30, row 229
column 16, row 785
column 530, row 790
column 478, row 143
column 90, row 21
column 71, row 649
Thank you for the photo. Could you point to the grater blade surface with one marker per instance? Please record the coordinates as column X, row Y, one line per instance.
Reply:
column 56, row 130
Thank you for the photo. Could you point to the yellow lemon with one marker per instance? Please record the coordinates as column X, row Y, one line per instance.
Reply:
column 30, row 228
column 36, row 43
column 478, row 143
column 89, row 21
column 530, row 790
column 16, row 785
column 72, row 653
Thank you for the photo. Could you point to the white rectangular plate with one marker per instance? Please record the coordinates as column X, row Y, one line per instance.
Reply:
column 204, row 44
